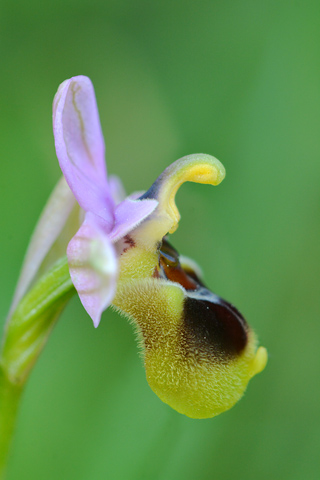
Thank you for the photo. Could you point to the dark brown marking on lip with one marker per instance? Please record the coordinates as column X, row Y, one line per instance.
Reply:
column 211, row 325
column 128, row 242
column 214, row 327
column 156, row 273
column 192, row 274
column 169, row 261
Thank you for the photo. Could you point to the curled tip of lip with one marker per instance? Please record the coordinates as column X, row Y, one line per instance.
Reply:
column 198, row 168
column 260, row 360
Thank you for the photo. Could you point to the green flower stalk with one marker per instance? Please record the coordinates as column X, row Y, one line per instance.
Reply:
column 199, row 352
column 26, row 334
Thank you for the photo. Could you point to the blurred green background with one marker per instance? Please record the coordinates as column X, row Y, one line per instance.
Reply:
column 239, row 80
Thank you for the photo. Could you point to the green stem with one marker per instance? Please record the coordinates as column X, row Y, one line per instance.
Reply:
column 9, row 401
column 27, row 332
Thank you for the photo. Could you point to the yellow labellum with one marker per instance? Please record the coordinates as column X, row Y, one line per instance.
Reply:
column 199, row 352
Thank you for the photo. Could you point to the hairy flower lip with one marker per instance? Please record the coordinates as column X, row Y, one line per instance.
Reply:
column 201, row 298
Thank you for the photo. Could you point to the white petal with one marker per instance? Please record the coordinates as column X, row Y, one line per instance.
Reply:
column 93, row 267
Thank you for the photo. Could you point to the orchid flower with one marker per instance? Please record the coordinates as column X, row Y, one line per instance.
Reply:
column 199, row 352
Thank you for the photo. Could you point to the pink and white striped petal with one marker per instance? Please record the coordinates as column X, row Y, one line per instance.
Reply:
column 93, row 267
column 80, row 146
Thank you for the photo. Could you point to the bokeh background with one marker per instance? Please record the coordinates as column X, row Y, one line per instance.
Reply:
column 236, row 79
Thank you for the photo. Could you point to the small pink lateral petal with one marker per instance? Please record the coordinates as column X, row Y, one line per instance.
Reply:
column 80, row 146
column 93, row 267
column 129, row 214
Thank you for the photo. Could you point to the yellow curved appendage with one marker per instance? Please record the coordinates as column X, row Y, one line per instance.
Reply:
column 197, row 168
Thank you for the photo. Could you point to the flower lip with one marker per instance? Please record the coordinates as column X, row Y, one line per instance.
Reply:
column 213, row 326
column 171, row 268
column 209, row 322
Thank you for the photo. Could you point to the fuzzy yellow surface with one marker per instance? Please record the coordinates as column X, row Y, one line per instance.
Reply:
column 195, row 380
column 137, row 263
column 189, row 380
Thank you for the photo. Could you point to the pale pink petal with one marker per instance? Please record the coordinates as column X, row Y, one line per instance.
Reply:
column 50, row 224
column 80, row 146
column 93, row 267
column 116, row 188
column 129, row 214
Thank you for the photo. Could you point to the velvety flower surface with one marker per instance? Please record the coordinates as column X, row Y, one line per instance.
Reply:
column 81, row 153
